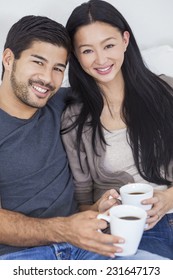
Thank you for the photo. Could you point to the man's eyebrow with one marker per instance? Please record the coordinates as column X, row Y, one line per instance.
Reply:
column 61, row 65
column 39, row 57
column 44, row 59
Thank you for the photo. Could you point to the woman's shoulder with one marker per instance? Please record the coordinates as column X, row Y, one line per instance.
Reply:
column 72, row 109
column 70, row 114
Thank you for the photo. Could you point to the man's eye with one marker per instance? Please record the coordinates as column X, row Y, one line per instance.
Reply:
column 58, row 69
column 38, row 62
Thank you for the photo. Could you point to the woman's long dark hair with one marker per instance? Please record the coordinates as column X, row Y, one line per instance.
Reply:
column 148, row 102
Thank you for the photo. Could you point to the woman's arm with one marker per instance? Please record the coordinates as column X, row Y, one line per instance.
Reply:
column 82, row 177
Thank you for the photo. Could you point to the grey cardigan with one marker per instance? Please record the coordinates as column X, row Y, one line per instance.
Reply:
column 94, row 180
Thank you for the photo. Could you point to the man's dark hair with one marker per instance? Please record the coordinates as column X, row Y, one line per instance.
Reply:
column 35, row 28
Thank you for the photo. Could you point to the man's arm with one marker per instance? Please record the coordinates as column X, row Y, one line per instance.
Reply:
column 19, row 230
column 79, row 229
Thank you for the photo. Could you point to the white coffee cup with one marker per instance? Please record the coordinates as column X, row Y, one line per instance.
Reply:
column 130, row 228
column 135, row 193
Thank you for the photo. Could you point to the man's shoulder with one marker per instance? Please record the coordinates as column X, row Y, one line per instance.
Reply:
column 64, row 91
column 60, row 96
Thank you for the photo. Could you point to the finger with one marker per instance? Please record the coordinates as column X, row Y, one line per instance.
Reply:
column 114, row 193
column 154, row 210
column 116, row 199
column 108, row 244
column 89, row 214
column 113, row 201
column 110, row 239
column 103, row 237
column 108, row 250
column 150, row 226
column 100, row 224
column 153, row 219
column 152, row 200
column 107, row 193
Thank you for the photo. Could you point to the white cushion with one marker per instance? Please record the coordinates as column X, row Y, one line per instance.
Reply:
column 159, row 59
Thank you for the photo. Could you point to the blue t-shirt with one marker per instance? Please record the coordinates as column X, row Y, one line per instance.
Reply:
column 34, row 174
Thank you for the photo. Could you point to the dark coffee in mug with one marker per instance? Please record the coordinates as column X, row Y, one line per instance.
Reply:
column 136, row 193
column 129, row 218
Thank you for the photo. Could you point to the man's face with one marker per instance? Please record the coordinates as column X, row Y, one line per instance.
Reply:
column 38, row 74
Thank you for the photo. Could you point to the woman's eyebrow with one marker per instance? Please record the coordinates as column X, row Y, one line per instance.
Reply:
column 105, row 40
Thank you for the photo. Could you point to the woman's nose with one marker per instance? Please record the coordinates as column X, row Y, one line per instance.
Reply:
column 101, row 59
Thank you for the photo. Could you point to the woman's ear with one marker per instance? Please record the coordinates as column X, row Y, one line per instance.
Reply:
column 126, row 38
column 8, row 59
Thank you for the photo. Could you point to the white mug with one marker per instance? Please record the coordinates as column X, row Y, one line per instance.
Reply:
column 128, row 222
column 134, row 193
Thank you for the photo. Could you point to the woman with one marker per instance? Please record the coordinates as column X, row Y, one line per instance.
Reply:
column 118, row 125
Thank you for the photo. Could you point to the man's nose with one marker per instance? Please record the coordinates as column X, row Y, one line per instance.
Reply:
column 46, row 76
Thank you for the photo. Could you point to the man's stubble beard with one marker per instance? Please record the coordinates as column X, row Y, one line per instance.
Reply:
column 20, row 90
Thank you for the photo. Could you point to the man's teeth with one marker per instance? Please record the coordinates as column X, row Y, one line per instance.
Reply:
column 41, row 90
column 104, row 69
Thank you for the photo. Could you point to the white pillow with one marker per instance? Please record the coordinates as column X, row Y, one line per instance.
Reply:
column 159, row 60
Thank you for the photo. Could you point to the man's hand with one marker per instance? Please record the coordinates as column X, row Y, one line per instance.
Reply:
column 81, row 230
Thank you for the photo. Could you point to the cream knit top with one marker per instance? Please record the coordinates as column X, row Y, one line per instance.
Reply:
column 119, row 156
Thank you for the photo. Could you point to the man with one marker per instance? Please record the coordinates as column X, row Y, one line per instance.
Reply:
column 39, row 218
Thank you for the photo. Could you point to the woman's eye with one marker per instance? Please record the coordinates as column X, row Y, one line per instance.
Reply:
column 87, row 51
column 109, row 46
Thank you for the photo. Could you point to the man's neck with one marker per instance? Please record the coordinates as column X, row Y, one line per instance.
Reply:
column 13, row 107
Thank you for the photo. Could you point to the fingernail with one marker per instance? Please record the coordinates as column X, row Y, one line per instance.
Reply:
column 119, row 250
column 121, row 241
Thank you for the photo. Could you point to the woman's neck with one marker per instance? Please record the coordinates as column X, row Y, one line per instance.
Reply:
column 113, row 99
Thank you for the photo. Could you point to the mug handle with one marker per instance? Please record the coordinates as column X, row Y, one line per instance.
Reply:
column 103, row 217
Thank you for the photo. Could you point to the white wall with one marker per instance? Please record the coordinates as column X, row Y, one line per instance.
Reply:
column 151, row 20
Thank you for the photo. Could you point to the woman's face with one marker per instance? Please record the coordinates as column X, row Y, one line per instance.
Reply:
column 99, row 48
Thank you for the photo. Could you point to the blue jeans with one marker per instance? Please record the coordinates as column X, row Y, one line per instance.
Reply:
column 65, row 251
column 159, row 240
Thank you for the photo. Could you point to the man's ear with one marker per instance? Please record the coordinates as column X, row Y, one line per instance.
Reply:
column 8, row 59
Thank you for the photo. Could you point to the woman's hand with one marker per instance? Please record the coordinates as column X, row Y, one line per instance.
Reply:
column 108, row 199
column 162, row 202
